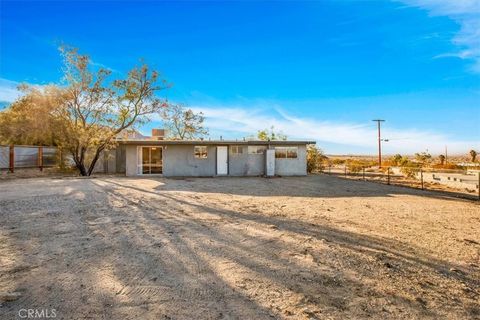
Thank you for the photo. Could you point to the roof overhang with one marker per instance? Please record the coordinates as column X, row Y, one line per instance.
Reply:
column 215, row 142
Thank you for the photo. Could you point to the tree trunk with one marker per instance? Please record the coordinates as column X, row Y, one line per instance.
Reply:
column 94, row 160
column 81, row 168
column 79, row 163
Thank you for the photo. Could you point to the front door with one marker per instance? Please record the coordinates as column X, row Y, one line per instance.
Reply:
column 151, row 160
column 222, row 160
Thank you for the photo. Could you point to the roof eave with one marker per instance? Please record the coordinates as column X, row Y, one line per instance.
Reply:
column 214, row 142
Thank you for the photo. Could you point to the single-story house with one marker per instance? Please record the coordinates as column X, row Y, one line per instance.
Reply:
column 206, row 158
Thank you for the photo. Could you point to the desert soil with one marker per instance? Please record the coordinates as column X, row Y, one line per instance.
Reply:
column 315, row 247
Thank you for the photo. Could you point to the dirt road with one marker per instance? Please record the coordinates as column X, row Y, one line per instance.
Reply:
column 314, row 247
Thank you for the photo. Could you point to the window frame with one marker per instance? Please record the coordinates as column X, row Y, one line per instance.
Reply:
column 140, row 160
column 262, row 148
column 236, row 147
column 201, row 153
column 286, row 151
column 292, row 149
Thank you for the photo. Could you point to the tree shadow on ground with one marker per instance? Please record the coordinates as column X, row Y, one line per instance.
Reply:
column 130, row 252
column 322, row 186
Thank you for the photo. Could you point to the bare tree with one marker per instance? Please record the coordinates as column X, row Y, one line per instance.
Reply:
column 182, row 123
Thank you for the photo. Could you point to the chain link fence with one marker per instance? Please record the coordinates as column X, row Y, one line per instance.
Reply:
column 459, row 182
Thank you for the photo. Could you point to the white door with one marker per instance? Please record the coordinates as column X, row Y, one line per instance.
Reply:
column 222, row 160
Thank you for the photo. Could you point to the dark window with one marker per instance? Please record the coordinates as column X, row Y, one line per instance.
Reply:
column 286, row 152
column 201, row 152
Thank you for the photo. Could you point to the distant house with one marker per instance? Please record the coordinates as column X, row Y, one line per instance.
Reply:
column 139, row 155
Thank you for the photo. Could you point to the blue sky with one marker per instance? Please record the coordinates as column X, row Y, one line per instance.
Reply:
column 317, row 70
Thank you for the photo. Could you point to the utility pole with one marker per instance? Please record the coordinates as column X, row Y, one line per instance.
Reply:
column 378, row 121
column 446, row 155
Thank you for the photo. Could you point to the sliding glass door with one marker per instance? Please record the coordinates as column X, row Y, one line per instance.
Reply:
column 150, row 160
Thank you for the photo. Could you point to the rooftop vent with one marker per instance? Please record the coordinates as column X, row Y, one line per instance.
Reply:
column 158, row 134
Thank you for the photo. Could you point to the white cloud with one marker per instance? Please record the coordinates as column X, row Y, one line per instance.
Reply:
column 340, row 137
column 8, row 90
column 467, row 14
column 101, row 65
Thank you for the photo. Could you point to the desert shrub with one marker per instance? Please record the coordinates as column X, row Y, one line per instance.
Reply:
column 396, row 160
column 354, row 166
column 410, row 170
column 337, row 161
column 423, row 157
column 315, row 159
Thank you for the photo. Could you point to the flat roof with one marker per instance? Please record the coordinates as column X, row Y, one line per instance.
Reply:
column 214, row 142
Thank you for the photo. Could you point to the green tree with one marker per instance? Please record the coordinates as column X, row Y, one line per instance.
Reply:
column 473, row 155
column 423, row 157
column 270, row 135
column 442, row 159
column 29, row 120
column 182, row 123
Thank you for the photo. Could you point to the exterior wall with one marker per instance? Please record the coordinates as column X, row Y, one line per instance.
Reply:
column 245, row 164
column 120, row 158
column 237, row 163
column 110, row 161
column 106, row 163
column 293, row 167
column 131, row 160
column 180, row 161
column 256, row 165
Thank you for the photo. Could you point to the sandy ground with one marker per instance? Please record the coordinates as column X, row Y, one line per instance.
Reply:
column 470, row 193
column 315, row 247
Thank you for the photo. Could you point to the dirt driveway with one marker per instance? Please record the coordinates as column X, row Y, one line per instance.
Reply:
column 314, row 247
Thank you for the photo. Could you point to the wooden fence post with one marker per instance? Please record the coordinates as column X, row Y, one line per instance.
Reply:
column 363, row 169
column 345, row 171
column 421, row 177
column 12, row 159
column 388, row 175
column 479, row 185
column 40, row 158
